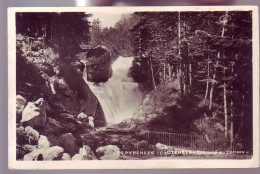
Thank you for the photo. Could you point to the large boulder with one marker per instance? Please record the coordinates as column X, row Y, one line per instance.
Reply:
column 85, row 153
column 54, row 127
column 77, row 157
column 29, row 148
column 32, row 135
column 22, row 150
column 21, row 135
column 66, row 157
column 34, row 114
column 46, row 154
column 52, row 153
column 69, row 123
column 163, row 147
column 95, row 139
column 69, row 143
column 98, row 65
column 43, row 142
column 20, row 104
column 109, row 152
column 35, row 155
column 83, row 118
column 142, row 145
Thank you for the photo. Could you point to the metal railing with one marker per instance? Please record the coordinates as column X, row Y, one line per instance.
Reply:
column 187, row 141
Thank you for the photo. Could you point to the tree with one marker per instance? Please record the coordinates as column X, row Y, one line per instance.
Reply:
column 209, row 53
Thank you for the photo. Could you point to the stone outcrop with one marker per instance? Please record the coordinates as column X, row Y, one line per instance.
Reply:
column 85, row 153
column 53, row 127
column 29, row 148
column 46, row 154
column 98, row 65
column 21, row 135
column 43, row 142
column 66, row 157
column 52, row 153
column 95, row 139
column 34, row 114
column 143, row 145
column 20, row 104
column 69, row 143
column 35, row 155
column 109, row 152
column 32, row 135
column 82, row 117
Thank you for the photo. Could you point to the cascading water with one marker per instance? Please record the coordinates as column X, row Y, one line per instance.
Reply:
column 119, row 97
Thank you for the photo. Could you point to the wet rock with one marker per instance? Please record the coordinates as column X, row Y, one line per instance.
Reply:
column 20, row 152
column 85, row 153
column 163, row 147
column 21, row 135
column 151, row 116
column 99, row 64
column 66, row 157
column 77, row 157
column 143, row 145
column 91, row 122
column 32, row 135
column 20, row 104
column 48, row 154
column 114, row 141
column 35, row 155
column 126, row 126
column 69, row 143
column 34, row 114
column 29, row 148
column 109, row 152
column 68, row 122
column 160, row 146
column 82, row 117
column 43, row 142
column 53, row 127
column 94, row 139
column 54, row 140
column 126, row 143
column 52, row 153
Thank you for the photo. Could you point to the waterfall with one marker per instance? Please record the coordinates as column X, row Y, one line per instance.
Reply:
column 119, row 97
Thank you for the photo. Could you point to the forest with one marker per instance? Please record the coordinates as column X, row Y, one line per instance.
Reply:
column 196, row 65
column 208, row 53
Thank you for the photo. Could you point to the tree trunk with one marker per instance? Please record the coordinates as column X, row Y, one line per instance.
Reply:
column 207, row 88
column 225, row 106
column 180, row 59
column 190, row 71
column 231, row 124
column 164, row 71
column 169, row 72
column 214, row 76
column 152, row 74
column 212, row 89
column 179, row 78
column 232, row 113
column 242, row 114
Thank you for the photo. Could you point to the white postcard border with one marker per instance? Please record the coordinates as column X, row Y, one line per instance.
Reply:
column 128, row 164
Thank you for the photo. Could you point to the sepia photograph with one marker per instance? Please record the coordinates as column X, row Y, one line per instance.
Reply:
column 139, row 87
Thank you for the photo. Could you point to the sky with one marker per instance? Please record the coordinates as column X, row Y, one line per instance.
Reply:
column 107, row 19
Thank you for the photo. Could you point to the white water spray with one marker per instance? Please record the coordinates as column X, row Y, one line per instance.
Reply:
column 119, row 97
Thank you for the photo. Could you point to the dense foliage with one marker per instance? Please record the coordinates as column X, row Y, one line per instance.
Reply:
column 117, row 39
column 47, row 45
column 210, row 55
